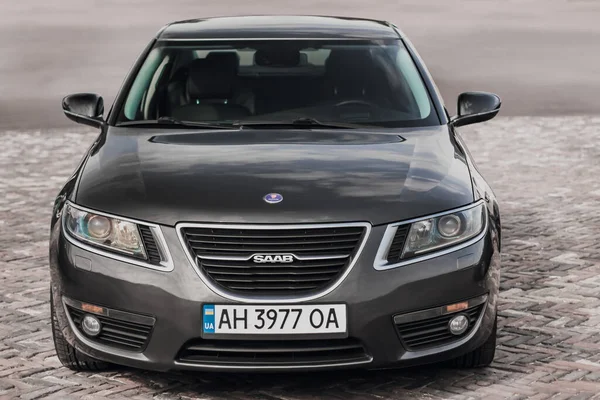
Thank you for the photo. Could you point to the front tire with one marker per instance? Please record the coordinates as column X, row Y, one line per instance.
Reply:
column 68, row 355
column 480, row 357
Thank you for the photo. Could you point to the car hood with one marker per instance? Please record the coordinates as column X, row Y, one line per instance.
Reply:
column 171, row 176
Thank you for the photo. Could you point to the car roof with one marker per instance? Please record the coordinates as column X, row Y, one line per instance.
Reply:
column 278, row 27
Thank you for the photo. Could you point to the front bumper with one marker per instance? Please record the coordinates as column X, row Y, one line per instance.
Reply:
column 174, row 301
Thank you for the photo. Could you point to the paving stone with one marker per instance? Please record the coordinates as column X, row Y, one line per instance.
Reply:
column 546, row 173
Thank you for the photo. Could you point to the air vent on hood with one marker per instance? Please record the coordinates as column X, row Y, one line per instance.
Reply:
column 279, row 136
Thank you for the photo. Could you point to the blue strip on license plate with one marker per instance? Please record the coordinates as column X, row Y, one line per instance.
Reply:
column 209, row 318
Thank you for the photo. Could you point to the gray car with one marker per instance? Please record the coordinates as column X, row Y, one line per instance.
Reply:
column 276, row 193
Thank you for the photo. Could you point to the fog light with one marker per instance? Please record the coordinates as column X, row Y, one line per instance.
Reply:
column 459, row 324
column 91, row 325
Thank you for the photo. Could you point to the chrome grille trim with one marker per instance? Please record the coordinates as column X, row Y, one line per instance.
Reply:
column 263, row 299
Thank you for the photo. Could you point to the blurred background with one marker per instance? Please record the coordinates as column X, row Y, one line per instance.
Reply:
column 541, row 56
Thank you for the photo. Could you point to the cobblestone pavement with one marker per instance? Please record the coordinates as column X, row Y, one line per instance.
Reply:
column 546, row 172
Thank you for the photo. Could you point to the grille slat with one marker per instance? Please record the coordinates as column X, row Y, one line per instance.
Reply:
column 123, row 339
column 424, row 324
column 272, row 352
column 257, row 271
column 298, row 265
column 427, row 336
column 271, row 347
column 116, row 332
column 434, row 331
column 429, row 340
column 271, row 287
column 298, row 276
column 133, row 336
column 123, row 327
column 284, row 242
column 397, row 245
column 441, row 328
column 120, row 342
column 271, row 247
column 270, row 279
column 150, row 245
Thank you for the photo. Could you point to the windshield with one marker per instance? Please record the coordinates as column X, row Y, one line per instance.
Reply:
column 343, row 81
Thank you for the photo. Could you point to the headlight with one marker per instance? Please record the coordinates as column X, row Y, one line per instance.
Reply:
column 444, row 231
column 107, row 232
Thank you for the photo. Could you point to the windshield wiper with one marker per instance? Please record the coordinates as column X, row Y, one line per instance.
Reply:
column 174, row 121
column 298, row 123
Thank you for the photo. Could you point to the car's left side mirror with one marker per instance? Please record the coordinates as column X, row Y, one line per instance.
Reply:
column 84, row 108
column 476, row 107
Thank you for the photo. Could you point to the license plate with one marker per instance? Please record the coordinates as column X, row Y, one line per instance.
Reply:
column 274, row 319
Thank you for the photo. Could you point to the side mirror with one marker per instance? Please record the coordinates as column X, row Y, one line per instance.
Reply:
column 476, row 107
column 84, row 108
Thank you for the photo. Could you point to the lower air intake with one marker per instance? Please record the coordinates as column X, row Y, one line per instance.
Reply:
column 115, row 332
column 434, row 331
column 273, row 353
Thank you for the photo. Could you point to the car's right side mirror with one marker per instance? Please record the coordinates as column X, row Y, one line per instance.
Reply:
column 476, row 107
column 84, row 108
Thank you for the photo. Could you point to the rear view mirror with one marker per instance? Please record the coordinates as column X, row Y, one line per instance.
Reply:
column 84, row 108
column 281, row 57
column 476, row 107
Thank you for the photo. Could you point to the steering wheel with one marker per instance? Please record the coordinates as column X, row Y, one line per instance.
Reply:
column 354, row 102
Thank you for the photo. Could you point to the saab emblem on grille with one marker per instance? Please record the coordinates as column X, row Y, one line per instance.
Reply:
column 273, row 198
column 273, row 258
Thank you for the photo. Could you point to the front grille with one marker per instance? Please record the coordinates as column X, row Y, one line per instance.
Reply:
column 434, row 331
column 321, row 256
column 150, row 245
column 273, row 353
column 395, row 252
column 115, row 332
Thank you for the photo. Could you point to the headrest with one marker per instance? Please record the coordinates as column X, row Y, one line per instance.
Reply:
column 228, row 61
column 206, row 81
column 348, row 61
column 349, row 72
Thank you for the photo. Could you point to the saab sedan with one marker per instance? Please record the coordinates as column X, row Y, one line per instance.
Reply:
column 276, row 193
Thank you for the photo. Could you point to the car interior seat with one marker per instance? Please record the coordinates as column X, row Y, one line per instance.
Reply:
column 208, row 94
column 229, row 63
column 352, row 74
